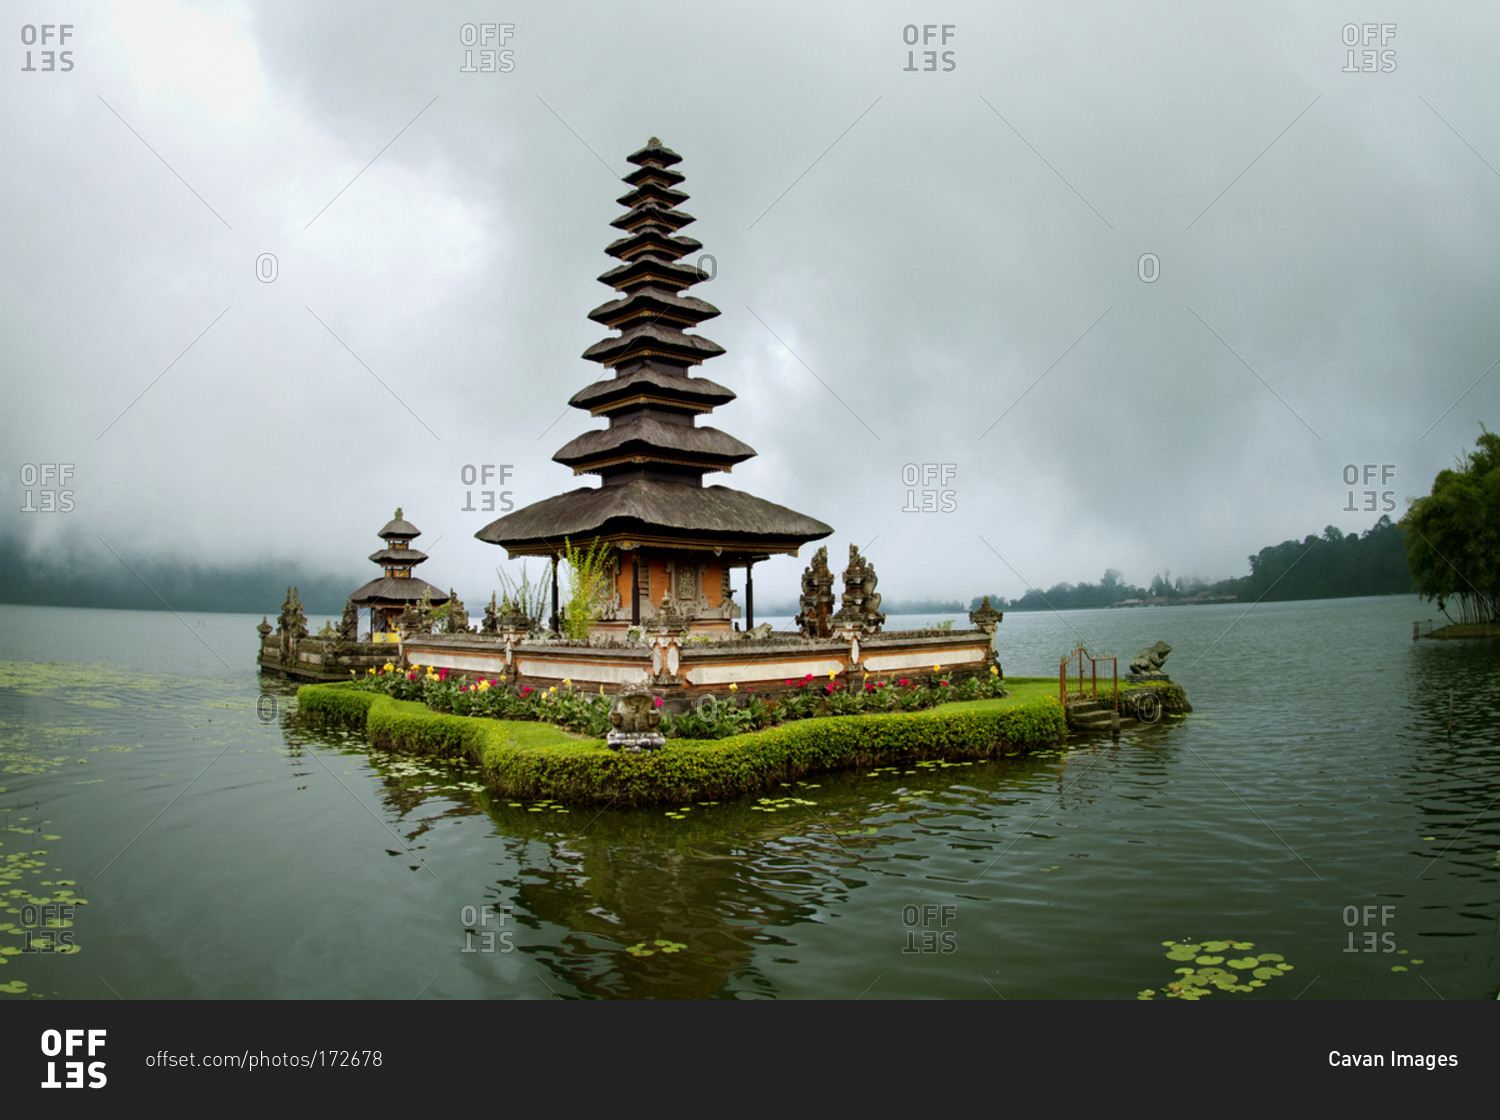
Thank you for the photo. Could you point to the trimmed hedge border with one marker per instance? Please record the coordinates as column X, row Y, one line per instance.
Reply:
column 583, row 771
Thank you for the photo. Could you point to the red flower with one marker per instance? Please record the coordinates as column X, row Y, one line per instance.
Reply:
column 525, row 690
column 411, row 676
column 903, row 682
column 442, row 674
column 658, row 700
column 789, row 683
column 869, row 687
column 809, row 676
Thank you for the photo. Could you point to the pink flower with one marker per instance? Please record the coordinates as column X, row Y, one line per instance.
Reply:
column 658, row 701
column 789, row 683
column 809, row 676
column 869, row 687
column 525, row 690
column 903, row 682
column 442, row 674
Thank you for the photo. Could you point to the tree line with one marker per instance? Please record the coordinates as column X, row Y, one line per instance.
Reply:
column 1331, row 566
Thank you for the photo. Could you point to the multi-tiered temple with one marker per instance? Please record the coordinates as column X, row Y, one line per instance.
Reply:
column 675, row 540
column 397, row 590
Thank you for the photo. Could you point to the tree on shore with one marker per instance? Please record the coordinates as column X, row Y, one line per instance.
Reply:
column 1453, row 535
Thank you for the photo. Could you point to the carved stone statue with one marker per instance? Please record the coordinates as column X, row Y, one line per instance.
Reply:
column 1148, row 662
column 417, row 617
column 292, row 623
column 491, row 624
column 816, row 601
column 458, row 615
column 264, row 629
column 861, row 601
column 349, row 624
column 633, row 718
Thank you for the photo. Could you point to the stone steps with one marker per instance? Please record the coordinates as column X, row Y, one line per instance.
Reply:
column 1092, row 716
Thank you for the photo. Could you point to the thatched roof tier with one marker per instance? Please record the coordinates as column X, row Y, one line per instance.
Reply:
column 651, row 213
column 651, row 192
column 650, row 173
column 399, row 527
column 654, row 152
column 651, row 269
column 652, row 384
column 653, row 305
column 398, row 556
column 654, row 340
column 652, row 513
column 645, row 438
column 388, row 591
column 652, row 240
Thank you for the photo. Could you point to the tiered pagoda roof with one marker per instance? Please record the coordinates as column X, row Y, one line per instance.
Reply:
column 652, row 457
column 397, row 559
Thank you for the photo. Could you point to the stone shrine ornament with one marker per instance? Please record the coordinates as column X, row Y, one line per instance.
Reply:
column 634, row 719
column 816, row 602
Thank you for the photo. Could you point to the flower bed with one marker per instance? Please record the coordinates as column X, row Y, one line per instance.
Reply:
column 713, row 718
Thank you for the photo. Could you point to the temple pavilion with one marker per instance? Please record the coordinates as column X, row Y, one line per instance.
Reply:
column 675, row 540
column 389, row 595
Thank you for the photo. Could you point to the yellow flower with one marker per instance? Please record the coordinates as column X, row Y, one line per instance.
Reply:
column 389, row 668
column 734, row 688
column 372, row 670
column 567, row 682
column 831, row 674
column 937, row 668
column 994, row 671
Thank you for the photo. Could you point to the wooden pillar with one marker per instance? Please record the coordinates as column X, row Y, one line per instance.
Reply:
column 635, row 589
column 749, row 594
column 557, row 618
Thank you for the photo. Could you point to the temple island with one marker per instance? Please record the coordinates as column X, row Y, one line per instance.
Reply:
column 653, row 624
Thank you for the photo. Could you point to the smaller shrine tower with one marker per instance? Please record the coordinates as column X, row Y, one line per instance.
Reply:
column 397, row 589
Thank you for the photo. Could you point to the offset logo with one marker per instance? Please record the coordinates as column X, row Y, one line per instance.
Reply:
column 492, row 60
column 50, row 60
column 66, row 1044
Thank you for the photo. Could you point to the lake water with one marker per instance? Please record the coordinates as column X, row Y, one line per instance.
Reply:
column 1316, row 804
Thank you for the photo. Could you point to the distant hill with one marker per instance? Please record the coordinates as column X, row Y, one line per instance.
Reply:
column 76, row 578
column 1333, row 566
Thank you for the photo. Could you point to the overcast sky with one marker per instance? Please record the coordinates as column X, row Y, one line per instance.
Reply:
column 914, row 267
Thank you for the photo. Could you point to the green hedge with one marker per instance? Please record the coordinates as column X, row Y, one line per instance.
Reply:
column 530, row 760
